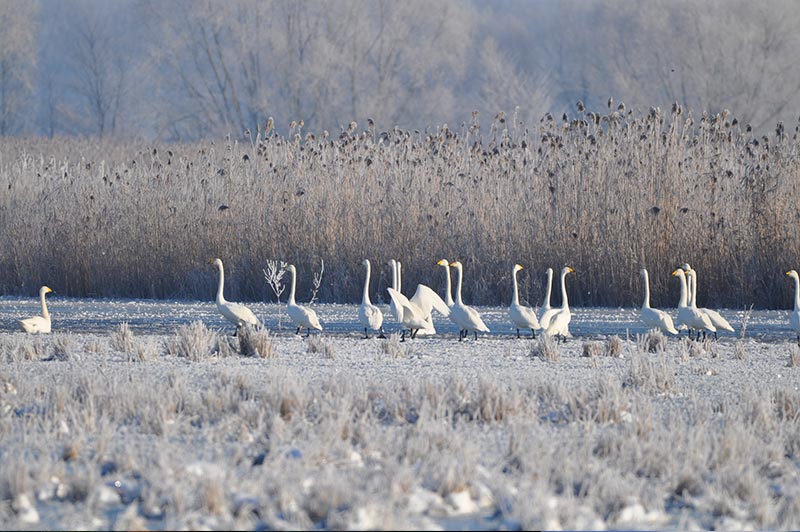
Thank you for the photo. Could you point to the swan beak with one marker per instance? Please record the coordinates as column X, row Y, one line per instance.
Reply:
column 453, row 264
column 570, row 269
column 789, row 273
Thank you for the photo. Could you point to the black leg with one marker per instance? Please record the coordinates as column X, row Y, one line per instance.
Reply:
column 382, row 335
column 517, row 333
column 365, row 333
column 297, row 331
column 476, row 334
column 533, row 334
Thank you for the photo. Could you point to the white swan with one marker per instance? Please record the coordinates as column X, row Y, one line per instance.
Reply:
column 716, row 318
column 653, row 317
column 522, row 317
column 559, row 323
column 448, row 296
column 236, row 313
column 464, row 314
column 369, row 315
column 411, row 317
column 547, row 312
column 425, row 301
column 303, row 317
column 691, row 316
column 794, row 317
column 38, row 324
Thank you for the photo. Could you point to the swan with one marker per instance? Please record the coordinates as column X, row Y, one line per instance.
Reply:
column 236, row 313
column 522, row 317
column 653, row 317
column 716, row 318
column 448, row 296
column 411, row 316
column 38, row 324
column 301, row 316
column 691, row 316
column 425, row 301
column 559, row 323
column 546, row 312
column 464, row 314
column 794, row 317
column 369, row 315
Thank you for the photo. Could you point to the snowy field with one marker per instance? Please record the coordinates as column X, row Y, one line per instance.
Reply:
column 167, row 425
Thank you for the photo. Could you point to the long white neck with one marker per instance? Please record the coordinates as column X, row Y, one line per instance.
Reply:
column 365, row 299
column 220, row 297
column 549, row 288
column 564, row 304
column 458, row 290
column 399, row 277
column 692, row 288
column 646, row 277
column 45, row 314
column 796, row 292
column 291, row 290
column 682, row 278
column 515, row 301
column 448, row 295
column 393, row 264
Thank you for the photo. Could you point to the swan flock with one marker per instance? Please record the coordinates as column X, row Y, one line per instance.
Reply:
column 415, row 315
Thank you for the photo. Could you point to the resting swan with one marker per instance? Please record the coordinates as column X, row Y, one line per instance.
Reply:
column 38, row 324
column 794, row 317
column 303, row 317
column 691, row 316
column 522, row 317
column 716, row 318
column 653, row 317
column 464, row 314
column 236, row 313
column 559, row 323
column 369, row 315
column 547, row 312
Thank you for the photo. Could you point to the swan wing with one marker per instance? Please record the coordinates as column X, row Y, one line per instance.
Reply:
column 36, row 324
column 523, row 317
column 547, row 316
column 427, row 300
column 717, row 320
column 370, row 316
column 559, row 323
column 401, row 302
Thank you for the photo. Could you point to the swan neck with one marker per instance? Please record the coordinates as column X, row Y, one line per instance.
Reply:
column 399, row 277
column 646, row 289
column 45, row 313
column 449, row 293
column 291, row 289
column 458, row 291
column 682, row 301
column 394, row 274
column 515, row 301
column 365, row 299
column 796, row 292
column 549, row 288
column 220, row 287
column 692, row 289
column 565, row 303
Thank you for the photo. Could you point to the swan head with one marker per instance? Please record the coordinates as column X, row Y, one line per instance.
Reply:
column 443, row 262
column 365, row 262
column 566, row 270
column 215, row 262
column 643, row 272
column 456, row 264
column 792, row 273
column 45, row 290
column 678, row 272
column 517, row 267
column 686, row 267
column 291, row 268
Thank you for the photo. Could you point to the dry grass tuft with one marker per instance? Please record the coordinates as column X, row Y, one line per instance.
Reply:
column 650, row 374
column 653, row 341
column 394, row 347
column 256, row 343
column 193, row 341
column 794, row 356
column 319, row 344
column 592, row 349
column 546, row 347
column 614, row 347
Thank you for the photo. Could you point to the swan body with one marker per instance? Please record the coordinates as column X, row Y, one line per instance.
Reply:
column 716, row 318
column 691, row 316
column 523, row 317
column 653, row 317
column 794, row 317
column 464, row 314
column 303, row 317
column 235, row 313
column 38, row 324
column 546, row 312
column 369, row 315
column 559, row 322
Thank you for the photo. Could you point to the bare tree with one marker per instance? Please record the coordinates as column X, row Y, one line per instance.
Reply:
column 17, row 60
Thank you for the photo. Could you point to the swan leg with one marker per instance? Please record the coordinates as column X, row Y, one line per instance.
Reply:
column 476, row 334
column 308, row 332
column 518, row 333
column 382, row 335
column 365, row 333
column 298, row 330
column 414, row 333
column 533, row 334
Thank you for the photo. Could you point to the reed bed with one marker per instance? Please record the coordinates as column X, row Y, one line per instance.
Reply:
column 606, row 193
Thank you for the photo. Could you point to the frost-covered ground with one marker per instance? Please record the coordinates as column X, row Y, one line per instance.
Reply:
column 168, row 426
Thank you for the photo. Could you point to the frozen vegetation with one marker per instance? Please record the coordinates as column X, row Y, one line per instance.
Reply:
column 137, row 414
